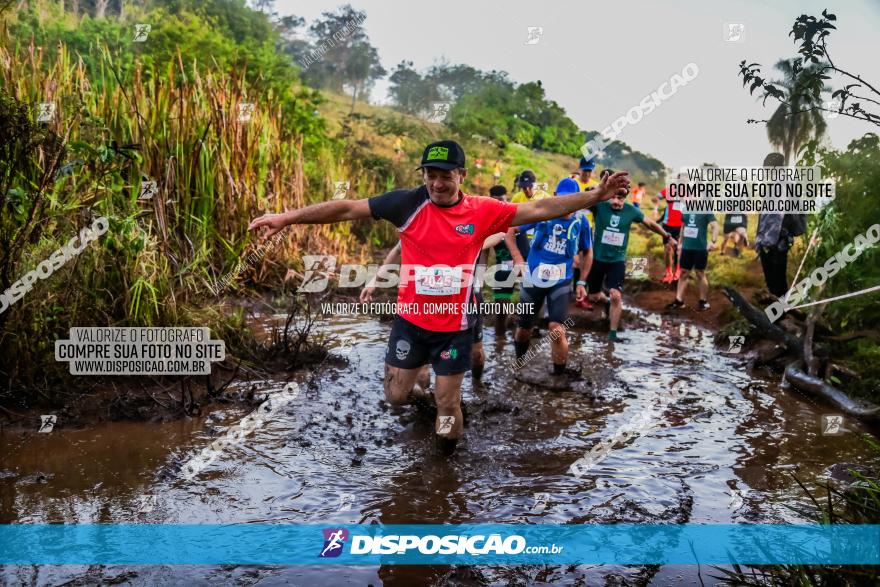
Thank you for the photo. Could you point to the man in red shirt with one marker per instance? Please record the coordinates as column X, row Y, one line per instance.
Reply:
column 441, row 232
column 672, row 222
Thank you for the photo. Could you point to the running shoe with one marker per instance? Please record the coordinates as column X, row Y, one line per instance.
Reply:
column 677, row 274
column 704, row 305
column 585, row 304
column 667, row 277
column 675, row 305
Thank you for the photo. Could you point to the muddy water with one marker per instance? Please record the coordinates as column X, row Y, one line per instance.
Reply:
column 338, row 454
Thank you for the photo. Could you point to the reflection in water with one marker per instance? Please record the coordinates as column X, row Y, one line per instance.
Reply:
column 339, row 454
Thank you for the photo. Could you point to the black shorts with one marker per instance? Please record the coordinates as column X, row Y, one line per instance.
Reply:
column 411, row 346
column 728, row 228
column 673, row 231
column 608, row 274
column 501, row 292
column 557, row 296
column 694, row 259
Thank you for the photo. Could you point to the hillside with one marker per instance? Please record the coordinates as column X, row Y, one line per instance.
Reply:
column 371, row 132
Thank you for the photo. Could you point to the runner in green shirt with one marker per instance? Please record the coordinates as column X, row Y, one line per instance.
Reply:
column 693, row 254
column 611, row 236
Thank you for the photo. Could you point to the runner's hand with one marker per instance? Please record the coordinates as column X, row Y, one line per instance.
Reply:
column 613, row 184
column 274, row 222
column 367, row 292
column 580, row 293
column 672, row 242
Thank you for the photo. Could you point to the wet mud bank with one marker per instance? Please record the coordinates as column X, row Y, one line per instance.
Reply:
column 722, row 446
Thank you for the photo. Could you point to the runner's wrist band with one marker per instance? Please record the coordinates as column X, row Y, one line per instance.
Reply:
column 580, row 282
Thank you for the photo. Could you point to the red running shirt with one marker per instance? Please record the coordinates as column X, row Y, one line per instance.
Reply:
column 672, row 214
column 440, row 247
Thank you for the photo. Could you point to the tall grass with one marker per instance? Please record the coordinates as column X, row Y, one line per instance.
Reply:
column 176, row 123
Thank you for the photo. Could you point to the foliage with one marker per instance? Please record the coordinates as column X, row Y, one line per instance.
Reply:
column 338, row 55
column 814, row 67
column 489, row 104
column 798, row 117
column 856, row 172
column 147, row 111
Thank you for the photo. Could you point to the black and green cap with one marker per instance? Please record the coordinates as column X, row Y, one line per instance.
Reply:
column 443, row 155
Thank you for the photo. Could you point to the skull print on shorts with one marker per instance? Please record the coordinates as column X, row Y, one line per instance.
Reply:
column 402, row 349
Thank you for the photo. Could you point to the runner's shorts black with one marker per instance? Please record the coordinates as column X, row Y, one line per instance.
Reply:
column 694, row 259
column 730, row 225
column 673, row 231
column 558, row 297
column 608, row 274
column 501, row 292
column 411, row 346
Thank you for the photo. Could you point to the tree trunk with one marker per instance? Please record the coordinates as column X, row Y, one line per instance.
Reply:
column 100, row 8
column 811, row 362
column 354, row 93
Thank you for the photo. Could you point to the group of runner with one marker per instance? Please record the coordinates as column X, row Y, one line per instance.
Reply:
column 445, row 234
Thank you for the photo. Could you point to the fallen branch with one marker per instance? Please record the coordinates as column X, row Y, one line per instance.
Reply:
column 820, row 388
column 758, row 319
column 853, row 335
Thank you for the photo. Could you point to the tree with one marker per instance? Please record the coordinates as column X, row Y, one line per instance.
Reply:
column 798, row 118
column 813, row 35
column 410, row 92
column 362, row 68
column 343, row 55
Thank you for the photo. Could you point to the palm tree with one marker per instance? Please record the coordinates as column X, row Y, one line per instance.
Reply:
column 798, row 117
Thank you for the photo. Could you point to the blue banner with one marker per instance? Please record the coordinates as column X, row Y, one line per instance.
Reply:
column 468, row 544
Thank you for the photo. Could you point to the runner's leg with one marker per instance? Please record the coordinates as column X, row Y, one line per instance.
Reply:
column 478, row 360
column 448, row 395
column 703, row 285
column 399, row 384
column 682, row 284
column 558, row 347
column 424, row 377
column 529, row 297
column 558, row 300
column 616, row 308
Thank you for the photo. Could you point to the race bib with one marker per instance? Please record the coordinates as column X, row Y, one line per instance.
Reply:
column 547, row 272
column 736, row 220
column 691, row 231
column 614, row 239
column 438, row 281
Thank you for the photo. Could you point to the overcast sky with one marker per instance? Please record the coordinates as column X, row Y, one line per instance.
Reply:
column 597, row 60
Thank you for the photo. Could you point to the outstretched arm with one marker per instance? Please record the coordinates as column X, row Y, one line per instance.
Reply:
column 536, row 211
column 654, row 227
column 323, row 213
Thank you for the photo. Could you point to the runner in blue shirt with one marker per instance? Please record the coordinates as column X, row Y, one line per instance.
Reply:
column 554, row 247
